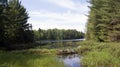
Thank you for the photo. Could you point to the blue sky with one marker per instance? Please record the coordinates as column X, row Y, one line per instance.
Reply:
column 61, row 14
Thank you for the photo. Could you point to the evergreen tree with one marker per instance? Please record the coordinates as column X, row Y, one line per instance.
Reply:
column 103, row 20
column 13, row 25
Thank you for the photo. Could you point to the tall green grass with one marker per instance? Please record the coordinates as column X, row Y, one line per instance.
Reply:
column 100, row 59
column 11, row 59
column 96, row 54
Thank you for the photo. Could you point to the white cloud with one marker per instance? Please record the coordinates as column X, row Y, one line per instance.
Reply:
column 70, row 4
column 67, row 16
column 41, row 17
column 66, row 20
column 64, row 3
column 53, row 24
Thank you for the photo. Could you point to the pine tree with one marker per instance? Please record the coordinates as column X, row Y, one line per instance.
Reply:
column 14, row 27
column 103, row 20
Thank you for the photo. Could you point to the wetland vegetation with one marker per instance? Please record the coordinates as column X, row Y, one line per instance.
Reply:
column 20, row 46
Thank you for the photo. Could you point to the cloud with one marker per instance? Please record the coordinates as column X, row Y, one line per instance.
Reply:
column 67, row 20
column 63, row 3
column 69, row 16
column 51, row 25
column 70, row 4
column 62, row 14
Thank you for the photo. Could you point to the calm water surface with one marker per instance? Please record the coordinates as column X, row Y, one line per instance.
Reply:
column 70, row 60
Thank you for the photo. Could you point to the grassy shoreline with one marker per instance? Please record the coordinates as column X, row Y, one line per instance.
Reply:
column 29, row 58
column 100, row 54
column 95, row 54
column 40, row 56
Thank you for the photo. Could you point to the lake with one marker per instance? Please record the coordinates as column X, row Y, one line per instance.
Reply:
column 53, row 41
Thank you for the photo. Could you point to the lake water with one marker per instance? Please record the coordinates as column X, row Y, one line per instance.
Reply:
column 54, row 41
column 70, row 60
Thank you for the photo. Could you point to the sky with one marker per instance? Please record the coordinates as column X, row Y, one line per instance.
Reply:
column 61, row 14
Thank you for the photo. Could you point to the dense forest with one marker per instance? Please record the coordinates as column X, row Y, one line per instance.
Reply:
column 14, row 28
column 57, row 34
column 104, row 21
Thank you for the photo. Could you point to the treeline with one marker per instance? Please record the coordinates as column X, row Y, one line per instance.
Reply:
column 56, row 34
column 14, row 28
column 104, row 21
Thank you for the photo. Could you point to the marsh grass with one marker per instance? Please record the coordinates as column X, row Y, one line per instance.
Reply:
column 100, row 59
column 40, row 56
column 21, row 59
column 98, row 54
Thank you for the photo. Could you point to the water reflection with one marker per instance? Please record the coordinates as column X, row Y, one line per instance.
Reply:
column 70, row 60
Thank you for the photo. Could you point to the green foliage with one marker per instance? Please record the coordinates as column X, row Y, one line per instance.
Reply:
column 104, row 21
column 10, row 59
column 97, row 54
column 13, row 25
column 56, row 34
column 100, row 59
